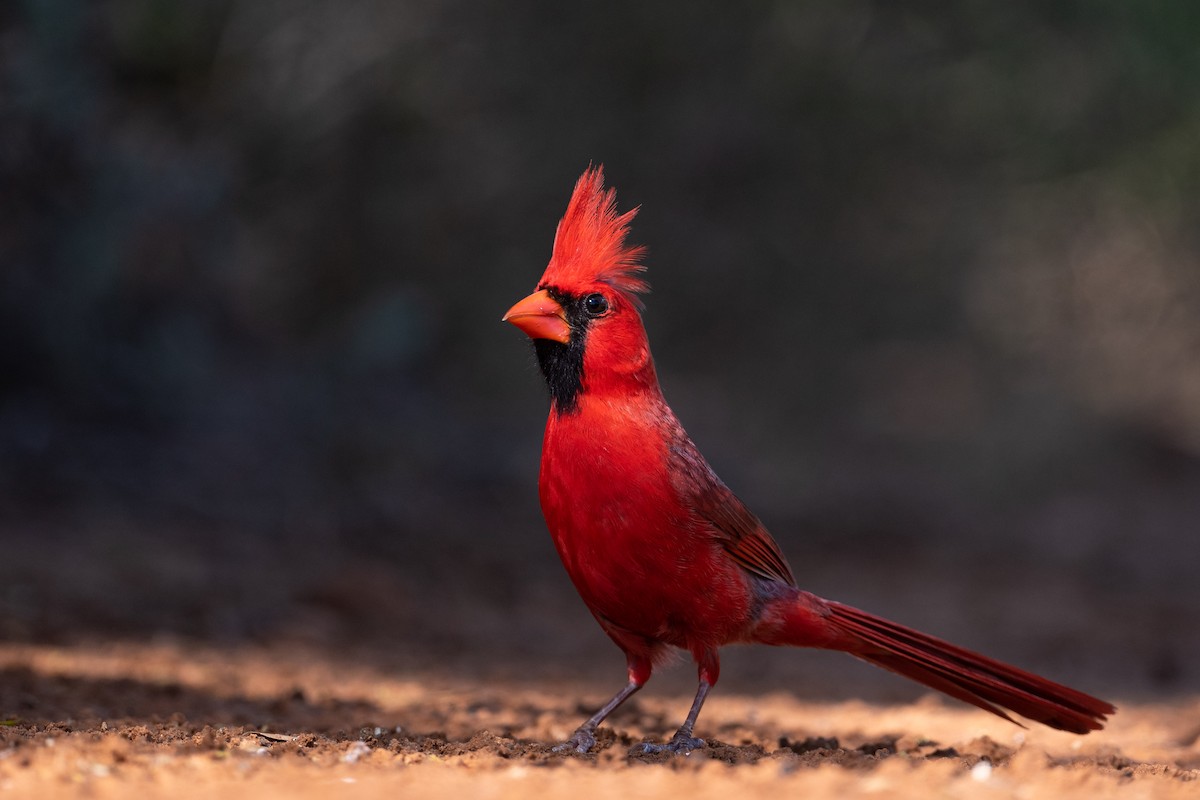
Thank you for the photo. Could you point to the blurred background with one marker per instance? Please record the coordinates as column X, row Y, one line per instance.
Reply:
column 926, row 292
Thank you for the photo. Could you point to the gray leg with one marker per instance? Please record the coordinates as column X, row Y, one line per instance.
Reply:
column 682, row 741
column 584, row 737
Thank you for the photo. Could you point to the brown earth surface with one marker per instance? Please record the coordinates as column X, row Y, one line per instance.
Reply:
column 172, row 718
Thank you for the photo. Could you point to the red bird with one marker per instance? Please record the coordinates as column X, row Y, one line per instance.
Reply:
column 661, row 551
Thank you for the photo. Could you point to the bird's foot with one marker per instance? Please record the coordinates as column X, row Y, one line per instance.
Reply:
column 581, row 741
column 680, row 744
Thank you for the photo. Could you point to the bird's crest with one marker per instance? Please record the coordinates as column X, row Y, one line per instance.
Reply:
column 589, row 244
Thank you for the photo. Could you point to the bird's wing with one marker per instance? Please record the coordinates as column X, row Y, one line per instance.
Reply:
column 743, row 536
column 740, row 532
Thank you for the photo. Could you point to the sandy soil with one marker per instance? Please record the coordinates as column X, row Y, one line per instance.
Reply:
column 178, row 719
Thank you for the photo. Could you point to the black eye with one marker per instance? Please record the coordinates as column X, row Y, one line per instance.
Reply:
column 595, row 305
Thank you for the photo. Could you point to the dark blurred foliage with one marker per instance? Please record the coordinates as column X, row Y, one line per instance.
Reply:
column 927, row 293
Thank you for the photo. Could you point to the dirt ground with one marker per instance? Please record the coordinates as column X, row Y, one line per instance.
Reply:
column 180, row 719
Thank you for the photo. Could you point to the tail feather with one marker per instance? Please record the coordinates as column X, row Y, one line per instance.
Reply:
column 966, row 675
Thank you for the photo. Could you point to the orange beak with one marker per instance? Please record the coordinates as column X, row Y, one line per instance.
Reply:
column 541, row 317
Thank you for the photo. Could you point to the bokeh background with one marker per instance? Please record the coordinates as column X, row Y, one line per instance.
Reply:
column 926, row 292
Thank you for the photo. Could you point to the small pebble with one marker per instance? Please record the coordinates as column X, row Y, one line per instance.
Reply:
column 357, row 750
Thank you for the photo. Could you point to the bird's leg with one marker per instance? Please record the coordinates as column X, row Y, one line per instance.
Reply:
column 683, row 741
column 584, row 737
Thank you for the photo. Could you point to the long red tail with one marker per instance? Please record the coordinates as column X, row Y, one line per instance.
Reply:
column 968, row 676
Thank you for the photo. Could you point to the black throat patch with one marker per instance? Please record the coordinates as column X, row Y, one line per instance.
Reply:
column 562, row 364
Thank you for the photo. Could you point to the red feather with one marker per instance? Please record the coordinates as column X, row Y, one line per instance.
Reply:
column 589, row 245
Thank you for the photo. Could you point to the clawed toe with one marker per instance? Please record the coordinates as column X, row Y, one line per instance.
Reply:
column 581, row 741
column 680, row 745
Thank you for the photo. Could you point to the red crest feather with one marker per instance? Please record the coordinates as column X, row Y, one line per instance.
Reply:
column 589, row 244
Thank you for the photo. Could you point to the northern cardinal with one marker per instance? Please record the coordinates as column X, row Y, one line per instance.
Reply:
column 661, row 551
